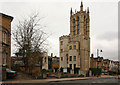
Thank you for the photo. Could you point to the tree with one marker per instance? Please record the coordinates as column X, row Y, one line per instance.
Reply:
column 30, row 40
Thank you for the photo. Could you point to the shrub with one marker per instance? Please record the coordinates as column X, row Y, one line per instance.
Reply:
column 44, row 71
column 96, row 71
column 81, row 75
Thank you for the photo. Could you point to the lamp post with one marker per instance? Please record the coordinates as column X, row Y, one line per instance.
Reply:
column 98, row 59
column 118, row 67
column 98, row 52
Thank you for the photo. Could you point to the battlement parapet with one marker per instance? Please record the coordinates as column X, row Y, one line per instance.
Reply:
column 64, row 36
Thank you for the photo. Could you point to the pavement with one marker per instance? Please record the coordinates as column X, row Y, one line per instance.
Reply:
column 54, row 80
column 101, row 81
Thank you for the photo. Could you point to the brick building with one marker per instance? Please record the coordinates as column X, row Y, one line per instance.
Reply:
column 55, row 63
column 5, row 42
column 45, row 60
column 106, row 63
column 93, row 62
column 97, row 62
column 40, row 61
column 100, row 62
column 50, row 62
column 114, row 66
column 17, row 61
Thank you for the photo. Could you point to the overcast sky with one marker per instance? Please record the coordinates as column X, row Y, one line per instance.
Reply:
column 103, row 21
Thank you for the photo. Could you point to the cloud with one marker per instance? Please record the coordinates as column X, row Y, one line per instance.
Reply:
column 113, row 55
column 103, row 21
column 108, row 44
column 108, row 36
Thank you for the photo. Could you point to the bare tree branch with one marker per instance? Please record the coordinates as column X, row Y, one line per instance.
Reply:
column 30, row 38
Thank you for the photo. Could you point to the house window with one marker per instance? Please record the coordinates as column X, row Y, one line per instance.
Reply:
column 70, row 66
column 74, row 46
column 4, row 58
column 70, row 58
column 61, row 58
column 4, row 37
column 74, row 58
column 70, row 47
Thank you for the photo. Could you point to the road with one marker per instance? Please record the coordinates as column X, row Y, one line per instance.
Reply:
column 82, row 80
column 99, row 80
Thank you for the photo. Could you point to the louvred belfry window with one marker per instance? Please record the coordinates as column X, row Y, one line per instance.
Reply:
column 73, row 26
column 77, row 25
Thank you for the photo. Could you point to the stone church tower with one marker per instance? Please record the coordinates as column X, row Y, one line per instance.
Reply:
column 75, row 47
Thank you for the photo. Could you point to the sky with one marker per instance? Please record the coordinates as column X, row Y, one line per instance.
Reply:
column 56, row 13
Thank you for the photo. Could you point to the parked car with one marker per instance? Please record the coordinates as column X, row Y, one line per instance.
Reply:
column 10, row 73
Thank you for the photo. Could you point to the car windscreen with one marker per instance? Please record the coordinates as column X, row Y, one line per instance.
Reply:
column 8, row 70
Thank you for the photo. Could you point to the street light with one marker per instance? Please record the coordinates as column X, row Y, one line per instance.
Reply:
column 98, row 59
column 98, row 52
column 118, row 67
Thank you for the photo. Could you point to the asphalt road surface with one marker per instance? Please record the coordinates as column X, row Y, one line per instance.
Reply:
column 99, row 80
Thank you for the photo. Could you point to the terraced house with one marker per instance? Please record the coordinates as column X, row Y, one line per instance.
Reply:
column 5, row 42
column 75, row 47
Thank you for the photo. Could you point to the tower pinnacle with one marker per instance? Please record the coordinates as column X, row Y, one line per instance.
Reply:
column 81, row 4
column 81, row 7
column 71, row 12
column 88, row 10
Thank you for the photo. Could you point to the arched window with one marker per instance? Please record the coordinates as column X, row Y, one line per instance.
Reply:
column 85, row 25
column 73, row 26
column 77, row 25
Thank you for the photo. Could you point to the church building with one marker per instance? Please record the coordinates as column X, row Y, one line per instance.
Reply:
column 75, row 47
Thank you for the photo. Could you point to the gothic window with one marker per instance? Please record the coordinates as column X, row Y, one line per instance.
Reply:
column 85, row 24
column 86, row 27
column 77, row 25
column 73, row 26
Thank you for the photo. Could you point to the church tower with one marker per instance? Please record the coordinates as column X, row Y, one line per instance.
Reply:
column 75, row 47
column 79, row 22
